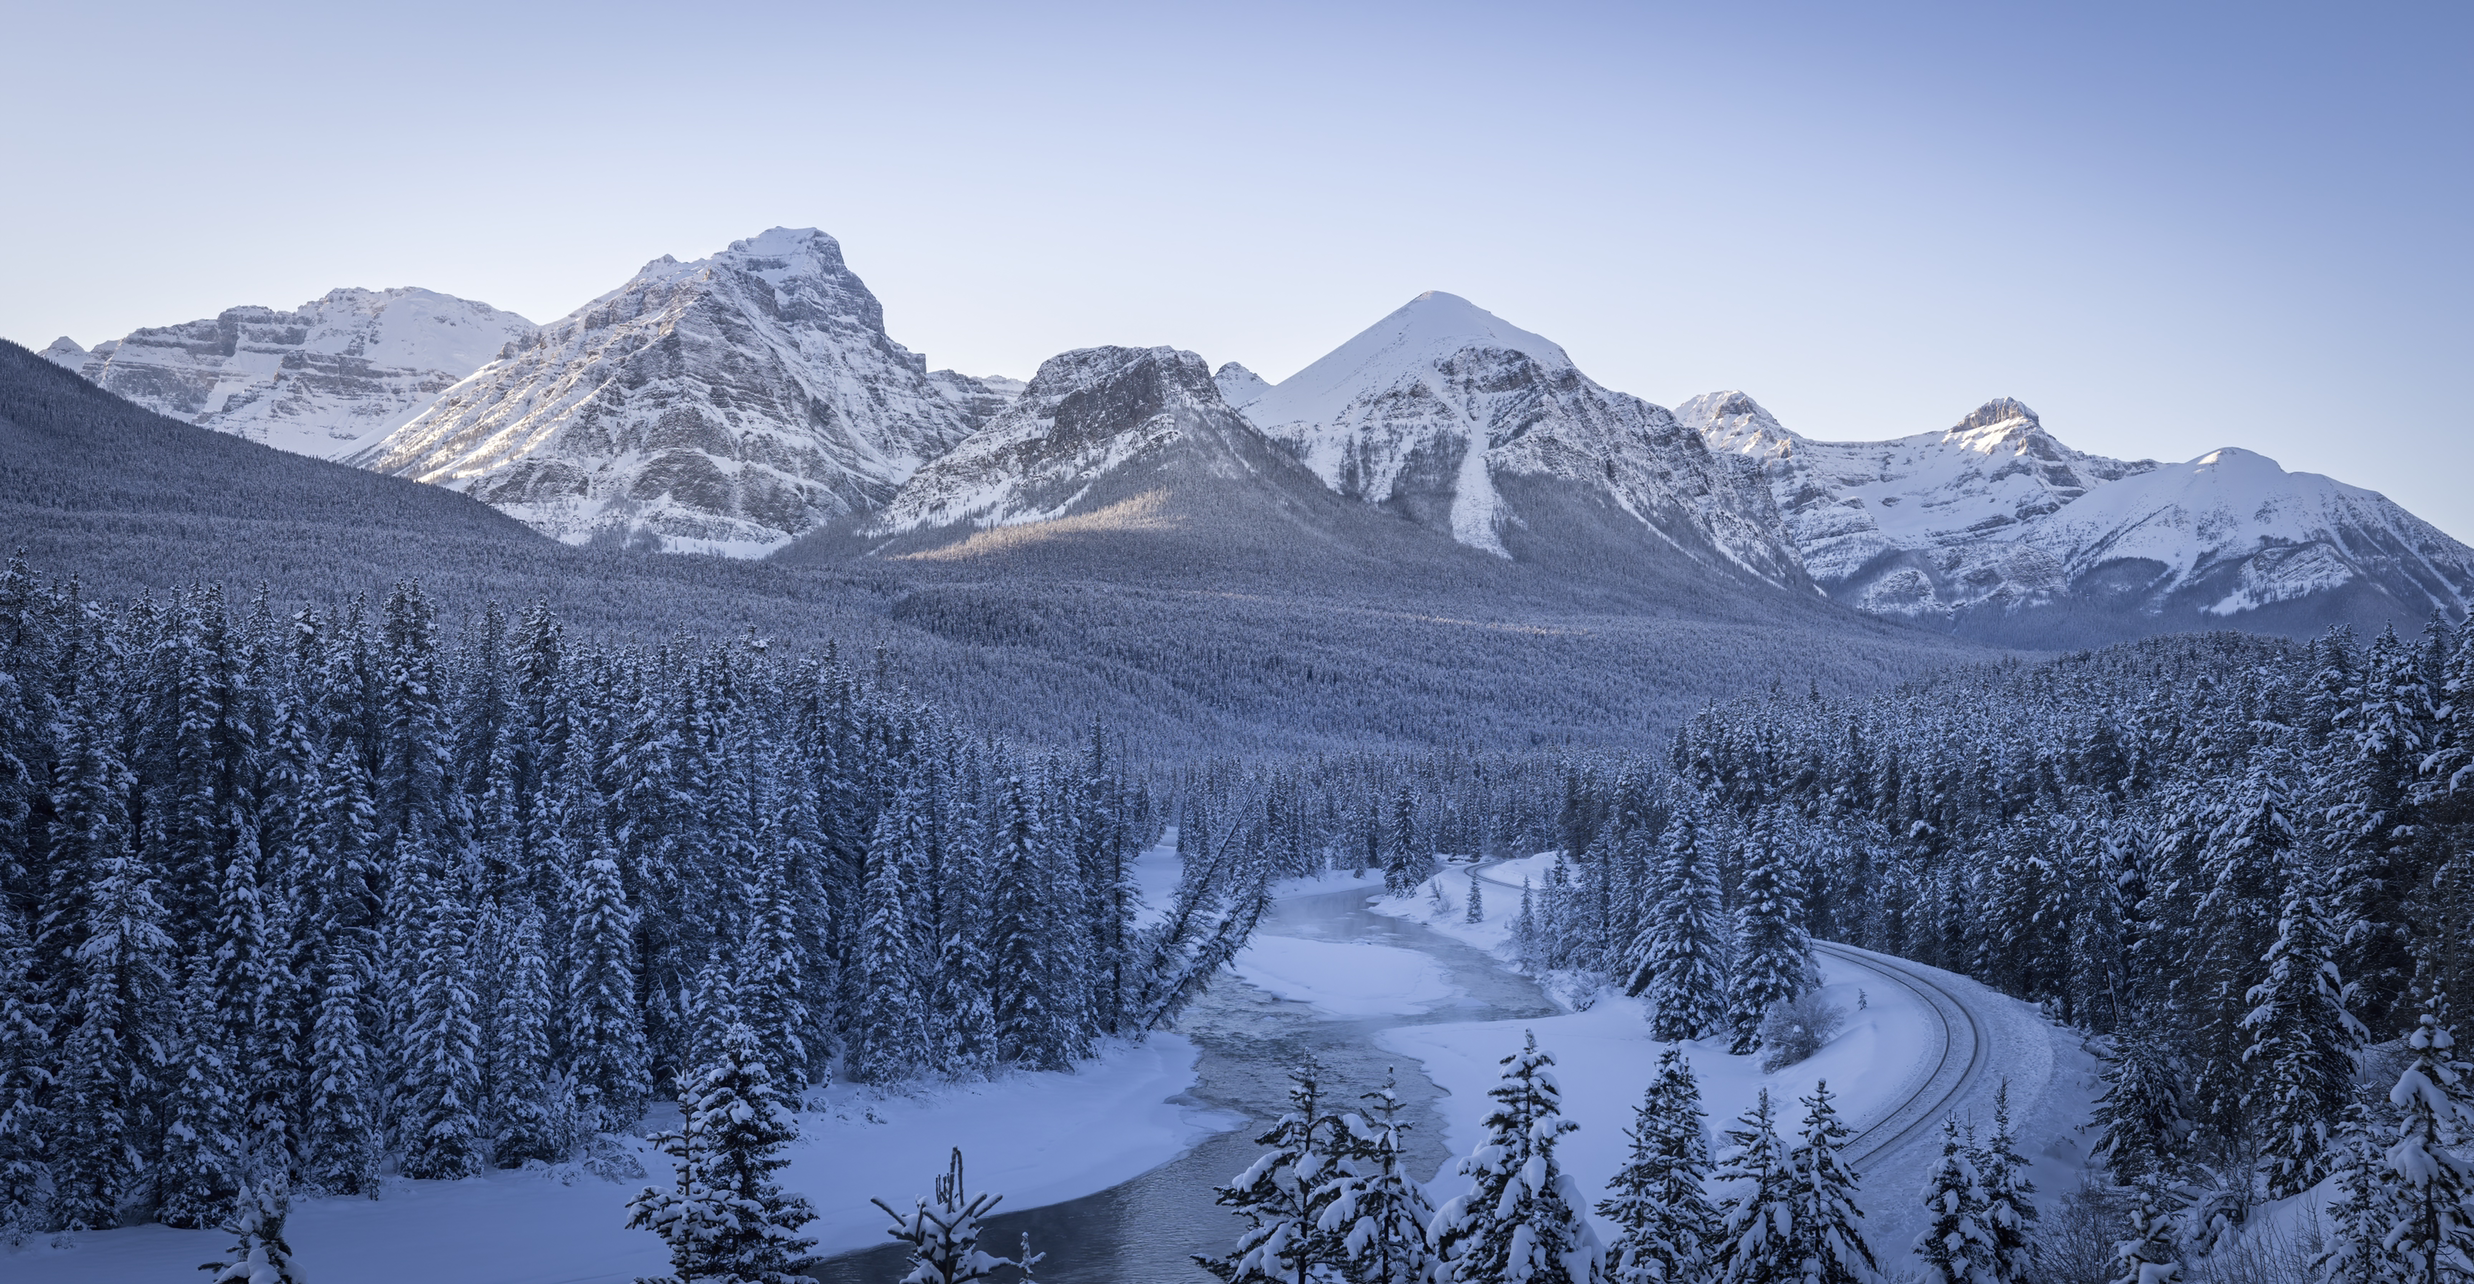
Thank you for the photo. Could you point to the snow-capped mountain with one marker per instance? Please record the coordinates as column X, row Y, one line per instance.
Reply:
column 723, row 405
column 1995, row 523
column 1100, row 436
column 1239, row 386
column 326, row 379
column 1464, row 423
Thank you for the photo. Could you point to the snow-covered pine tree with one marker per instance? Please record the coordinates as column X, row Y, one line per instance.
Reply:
column 2356, row 1250
column 1678, row 955
column 112, row 1059
column 1833, row 1246
column 1757, row 1242
column 260, row 1255
column 521, row 1117
column 1476, row 912
column 1282, row 1195
column 2148, row 1255
column 944, row 1236
column 441, row 1072
column 603, row 1025
column 1375, row 1212
column 1528, row 934
column 1524, row 1222
column 2302, row 1042
column 26, row 1073
column 1956, row 1246
column 1023, row 946
column 726, row 1220
column 1659, row 1196
column 2009, row 1198
column 773, row 967
column 340, row 1142
column 224, row 1013
column 1404, row 866
column 2139, row 1116
column 893, row 1035
column 1774, row 955
column 2430, row 1180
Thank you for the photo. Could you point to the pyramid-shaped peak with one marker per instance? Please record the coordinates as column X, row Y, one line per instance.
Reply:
column 1406, row 345
column 2000, row 410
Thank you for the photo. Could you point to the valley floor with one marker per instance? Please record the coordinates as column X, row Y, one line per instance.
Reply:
column 1045, row 1138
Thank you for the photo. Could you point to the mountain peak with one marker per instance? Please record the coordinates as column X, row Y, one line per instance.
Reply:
column 1405, row 346
column 1998, row 411
column 64, row 353
column 1239, row 385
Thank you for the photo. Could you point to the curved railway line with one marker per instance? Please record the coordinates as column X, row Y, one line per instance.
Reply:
column 1958, row 1065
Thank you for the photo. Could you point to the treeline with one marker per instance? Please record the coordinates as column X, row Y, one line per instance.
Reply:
column 304, row 898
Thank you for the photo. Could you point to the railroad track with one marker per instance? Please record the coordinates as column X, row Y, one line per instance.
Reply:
column 1957, row 1067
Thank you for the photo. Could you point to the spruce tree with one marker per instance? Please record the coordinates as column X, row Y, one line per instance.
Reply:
column 340, row 1143
column 2356, row 1250
column 1404, row 865
column 1524, row 1222
column 112, row 1060
column 1659, row 1196
column 1476, row 912
column 1375, row 1212
column 1774, row 958
column 2148, row 1254
column 26, row 1075
column 521, row 1123
column 725, row 1219
column 604, row 1026
column 2009, row 1198
column 2139, row 1116
column 1678, row 955
column 260, row 1255
column 2430, row 1180
column 441, row 1073
column 893, row 1041
column 1957, row 1245
column 1833, row 1246
column 2301, row 1046
column 1757, row 1240
column 1282, row 1194
column 1024, row 944
column 944, row 1236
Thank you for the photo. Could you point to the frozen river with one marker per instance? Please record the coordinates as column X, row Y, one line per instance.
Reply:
column 1146, row 1229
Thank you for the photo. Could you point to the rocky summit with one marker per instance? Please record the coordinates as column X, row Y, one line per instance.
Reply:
column 723, row 405
column 326, row 379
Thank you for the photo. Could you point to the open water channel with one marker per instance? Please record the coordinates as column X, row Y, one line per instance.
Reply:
column 1143, row 1231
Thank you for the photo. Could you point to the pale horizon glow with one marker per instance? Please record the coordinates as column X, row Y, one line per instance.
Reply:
column 2167, row 232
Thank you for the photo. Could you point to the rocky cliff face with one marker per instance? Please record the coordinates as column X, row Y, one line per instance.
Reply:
column 1449, row 416
column 1095, row 427
column 325, row 379
column 724, row 405
column 1994, row 524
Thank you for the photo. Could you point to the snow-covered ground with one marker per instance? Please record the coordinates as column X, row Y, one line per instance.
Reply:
column 1036, row 1137
column 1889, row 1050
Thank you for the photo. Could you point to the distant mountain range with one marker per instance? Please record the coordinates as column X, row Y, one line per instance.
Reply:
column 751, row 403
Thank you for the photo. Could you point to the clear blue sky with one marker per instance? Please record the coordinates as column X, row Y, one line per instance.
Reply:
column 2166, row 227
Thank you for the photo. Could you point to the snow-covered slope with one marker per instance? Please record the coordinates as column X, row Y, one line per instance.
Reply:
column 1995, row 521
column 723, row 405
column 1477, row 428
column 1240, row 386
column 326, row 379
column 1097, row 428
